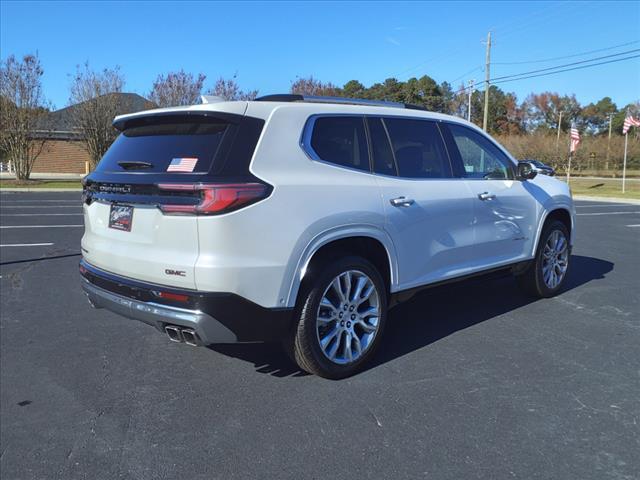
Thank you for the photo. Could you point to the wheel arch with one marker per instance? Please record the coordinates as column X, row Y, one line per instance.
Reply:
column 369, row 242
column 560, row 213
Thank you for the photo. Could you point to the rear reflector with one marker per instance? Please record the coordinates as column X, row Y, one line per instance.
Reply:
column 216, row 198
column 172, row 296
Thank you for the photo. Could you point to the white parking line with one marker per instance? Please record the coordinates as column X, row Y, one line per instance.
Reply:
column 42, row 206
column 633, row 225
column 607, row 213
column 39, row 201
column 40, row 226
column 607, row 205
column 38, row 214
column 26, row 245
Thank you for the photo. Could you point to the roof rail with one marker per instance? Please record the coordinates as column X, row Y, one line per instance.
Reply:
column 294, row 97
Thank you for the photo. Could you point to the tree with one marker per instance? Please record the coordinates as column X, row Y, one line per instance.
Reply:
column 177, row 88
column 543, row 110
column 96, row 104
column 353, row 89
column 312, row 86
column 596, row 115
column 424, row 92
column 23, row 106
column 230, row 90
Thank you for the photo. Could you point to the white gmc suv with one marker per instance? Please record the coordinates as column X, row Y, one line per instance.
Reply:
column 303, row 220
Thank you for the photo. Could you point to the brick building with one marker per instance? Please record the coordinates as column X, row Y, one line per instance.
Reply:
column 64, row 150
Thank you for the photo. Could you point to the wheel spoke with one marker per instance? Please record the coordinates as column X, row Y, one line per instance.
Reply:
column 367, row 293
column 348, row 354
column 328, row 337
column 357, row 345
column 366, row 327
column 362, row 281
column 347, row 291
column 370, row 312
column 326, row 303
column 334, row 349
column 338, row 289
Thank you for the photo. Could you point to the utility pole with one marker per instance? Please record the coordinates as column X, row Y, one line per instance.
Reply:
column 471, row 84
column 485, row 120
column 606, row 165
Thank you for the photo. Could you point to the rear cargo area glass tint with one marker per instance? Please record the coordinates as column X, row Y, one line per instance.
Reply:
column 172, row 147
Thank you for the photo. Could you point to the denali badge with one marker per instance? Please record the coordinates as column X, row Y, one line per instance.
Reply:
column 115, row 188
column 180, row 273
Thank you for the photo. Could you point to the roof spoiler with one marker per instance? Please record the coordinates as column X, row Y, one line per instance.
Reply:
column 294, row 97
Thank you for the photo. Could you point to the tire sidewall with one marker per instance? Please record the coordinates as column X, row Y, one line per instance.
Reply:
column 311, row 302
column 542, row 287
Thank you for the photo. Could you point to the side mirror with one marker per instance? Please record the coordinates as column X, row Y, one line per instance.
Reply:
column 526, row 171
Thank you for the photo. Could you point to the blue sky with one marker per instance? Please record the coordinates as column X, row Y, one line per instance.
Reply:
column 269, row 44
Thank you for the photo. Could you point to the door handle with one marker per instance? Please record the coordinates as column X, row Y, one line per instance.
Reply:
column 402, row 202
column 486, row 196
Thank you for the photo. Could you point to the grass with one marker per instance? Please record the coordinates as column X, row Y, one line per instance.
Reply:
column 579, row 186
column 604, row 188
column 9, row 183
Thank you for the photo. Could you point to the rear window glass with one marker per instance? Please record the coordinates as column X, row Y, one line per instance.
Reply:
column 179, row 147
column 342, row 141
column 418, row 148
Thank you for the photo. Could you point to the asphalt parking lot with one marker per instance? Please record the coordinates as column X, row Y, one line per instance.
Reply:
column 474, row 380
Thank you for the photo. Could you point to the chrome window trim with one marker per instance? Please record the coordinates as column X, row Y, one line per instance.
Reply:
column 307, row 132
column 305, row 145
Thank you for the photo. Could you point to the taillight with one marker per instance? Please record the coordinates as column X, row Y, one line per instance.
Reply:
column 215, row 198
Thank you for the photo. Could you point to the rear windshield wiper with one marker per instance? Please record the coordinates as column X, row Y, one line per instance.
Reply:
column 132, row 165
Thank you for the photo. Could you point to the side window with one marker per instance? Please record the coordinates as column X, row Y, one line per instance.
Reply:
column 480, row 158
column 418, row 148
column 380, row 147
column 342, row 141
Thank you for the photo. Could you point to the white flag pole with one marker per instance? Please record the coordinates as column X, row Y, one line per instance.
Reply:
column 624, row 162
column 570, row 155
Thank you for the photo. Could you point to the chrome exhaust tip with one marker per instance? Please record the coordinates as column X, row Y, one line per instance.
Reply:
column 174, row 333
column 190, row 337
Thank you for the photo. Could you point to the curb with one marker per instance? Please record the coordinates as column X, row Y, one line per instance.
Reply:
column 40, row 190
column 631, row 201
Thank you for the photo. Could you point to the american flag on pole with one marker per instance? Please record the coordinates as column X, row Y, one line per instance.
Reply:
column 575, row 139
column 186, row 164
column 629, row 122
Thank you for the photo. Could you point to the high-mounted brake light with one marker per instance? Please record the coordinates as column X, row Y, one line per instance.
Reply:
column 215, row 198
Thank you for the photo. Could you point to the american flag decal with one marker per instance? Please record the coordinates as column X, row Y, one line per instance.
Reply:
column 186, row 164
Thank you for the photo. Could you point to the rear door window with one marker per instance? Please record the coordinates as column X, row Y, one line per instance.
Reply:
column 383, row 161
column 341, row 141
column 169, row 146
column 418, row 148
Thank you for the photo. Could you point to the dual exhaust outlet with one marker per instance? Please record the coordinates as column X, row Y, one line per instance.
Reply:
column 183, row 335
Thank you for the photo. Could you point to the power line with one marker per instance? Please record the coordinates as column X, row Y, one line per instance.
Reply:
column 493, row 81
column 464, row 75
column 567, row 56
column 568, row 64
column 570, row 69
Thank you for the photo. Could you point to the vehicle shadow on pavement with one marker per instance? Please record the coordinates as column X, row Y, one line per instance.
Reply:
column 430, row 316
column 439, row 312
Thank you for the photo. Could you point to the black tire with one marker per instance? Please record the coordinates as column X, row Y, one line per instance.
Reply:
column 531, row 281
column 304, row 344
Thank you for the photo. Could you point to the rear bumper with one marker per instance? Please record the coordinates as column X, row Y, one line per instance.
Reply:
column 215, row 317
